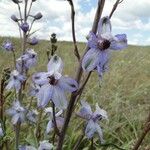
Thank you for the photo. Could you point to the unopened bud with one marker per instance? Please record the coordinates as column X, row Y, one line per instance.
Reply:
column 14, row 18
column 17, row 1
column 38, row 16
column 24, row 27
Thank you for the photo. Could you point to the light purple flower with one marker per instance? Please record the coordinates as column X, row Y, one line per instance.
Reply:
column 17, row 112
column 34, row 89
column 27, row 147
column 1, row 131
column 15, row 81
column 29, row 59
column 98, row 55
column 53, row 84
column 32, row 116
column 33, row 41
column 59, row 119
column 92, row 119
column 44, row 145
column 24, row 27
column 8, row 46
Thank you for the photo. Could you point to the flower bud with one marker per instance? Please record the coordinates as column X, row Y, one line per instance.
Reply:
column 14, row 18
column 38, row 16
column 24, row 27
column 33, row 41
column 8, row 46
column 16, row 1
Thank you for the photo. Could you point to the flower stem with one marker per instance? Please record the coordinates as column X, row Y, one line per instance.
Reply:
column 17, row 130
column 78, row 78
column 54, row 120
column 38, row 130
column 144, row 133
column 76, row 52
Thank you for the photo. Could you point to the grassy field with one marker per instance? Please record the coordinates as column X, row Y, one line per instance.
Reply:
column 124, row 92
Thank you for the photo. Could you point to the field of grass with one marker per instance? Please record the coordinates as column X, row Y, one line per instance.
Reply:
column 124, row 92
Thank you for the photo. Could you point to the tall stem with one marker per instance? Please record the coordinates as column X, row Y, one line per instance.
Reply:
column 17, row 130
column 54, row 119
column 76, row 52
column 78, row 77
column 144, row 133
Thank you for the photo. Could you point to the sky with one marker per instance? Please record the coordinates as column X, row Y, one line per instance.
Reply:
column 131, row 17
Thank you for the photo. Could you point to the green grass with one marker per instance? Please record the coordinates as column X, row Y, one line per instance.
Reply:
column 124, row 93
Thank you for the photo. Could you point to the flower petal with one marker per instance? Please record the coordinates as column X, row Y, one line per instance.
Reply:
column 55, row 64
column 59, row 122
column 44, row 95
column 15, row 118
column 85, row 111
column 49, row 127
column 119, row 42
column 90, row 60
column 59, row 98
column 100, row 133
column 104, row 26
column 90, row 129
column 45, row 145
column 92, row 40
column 68, row 84
column 40, row 78
column 100, row 113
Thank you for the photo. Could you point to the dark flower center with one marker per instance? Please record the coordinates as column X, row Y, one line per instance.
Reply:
column 105, row 44
column 52, row 80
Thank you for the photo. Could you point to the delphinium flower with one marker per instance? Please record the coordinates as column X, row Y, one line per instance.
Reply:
column 92, row 119
column 8, row 46
column 59, row 119
column 34, row 89
column 17, row 112
column 1, row 131
column 53, row 84
column 32, row 116
column 33, row 41
column 98, row 55
column 15, row 80
column 24, row 27
column 27, row 60
column 44, row 145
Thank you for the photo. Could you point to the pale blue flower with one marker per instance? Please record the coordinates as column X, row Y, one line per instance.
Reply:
column 92, row 119
column 34, row 89
column 53, row 84
column 17, row 112
column 8, row 46
column 29, row 59
column 32, row 116
column 44, row 145
column 1, row 131
column 98, row 55
column 59, row 119
column 15, row 81
column 33, row 41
